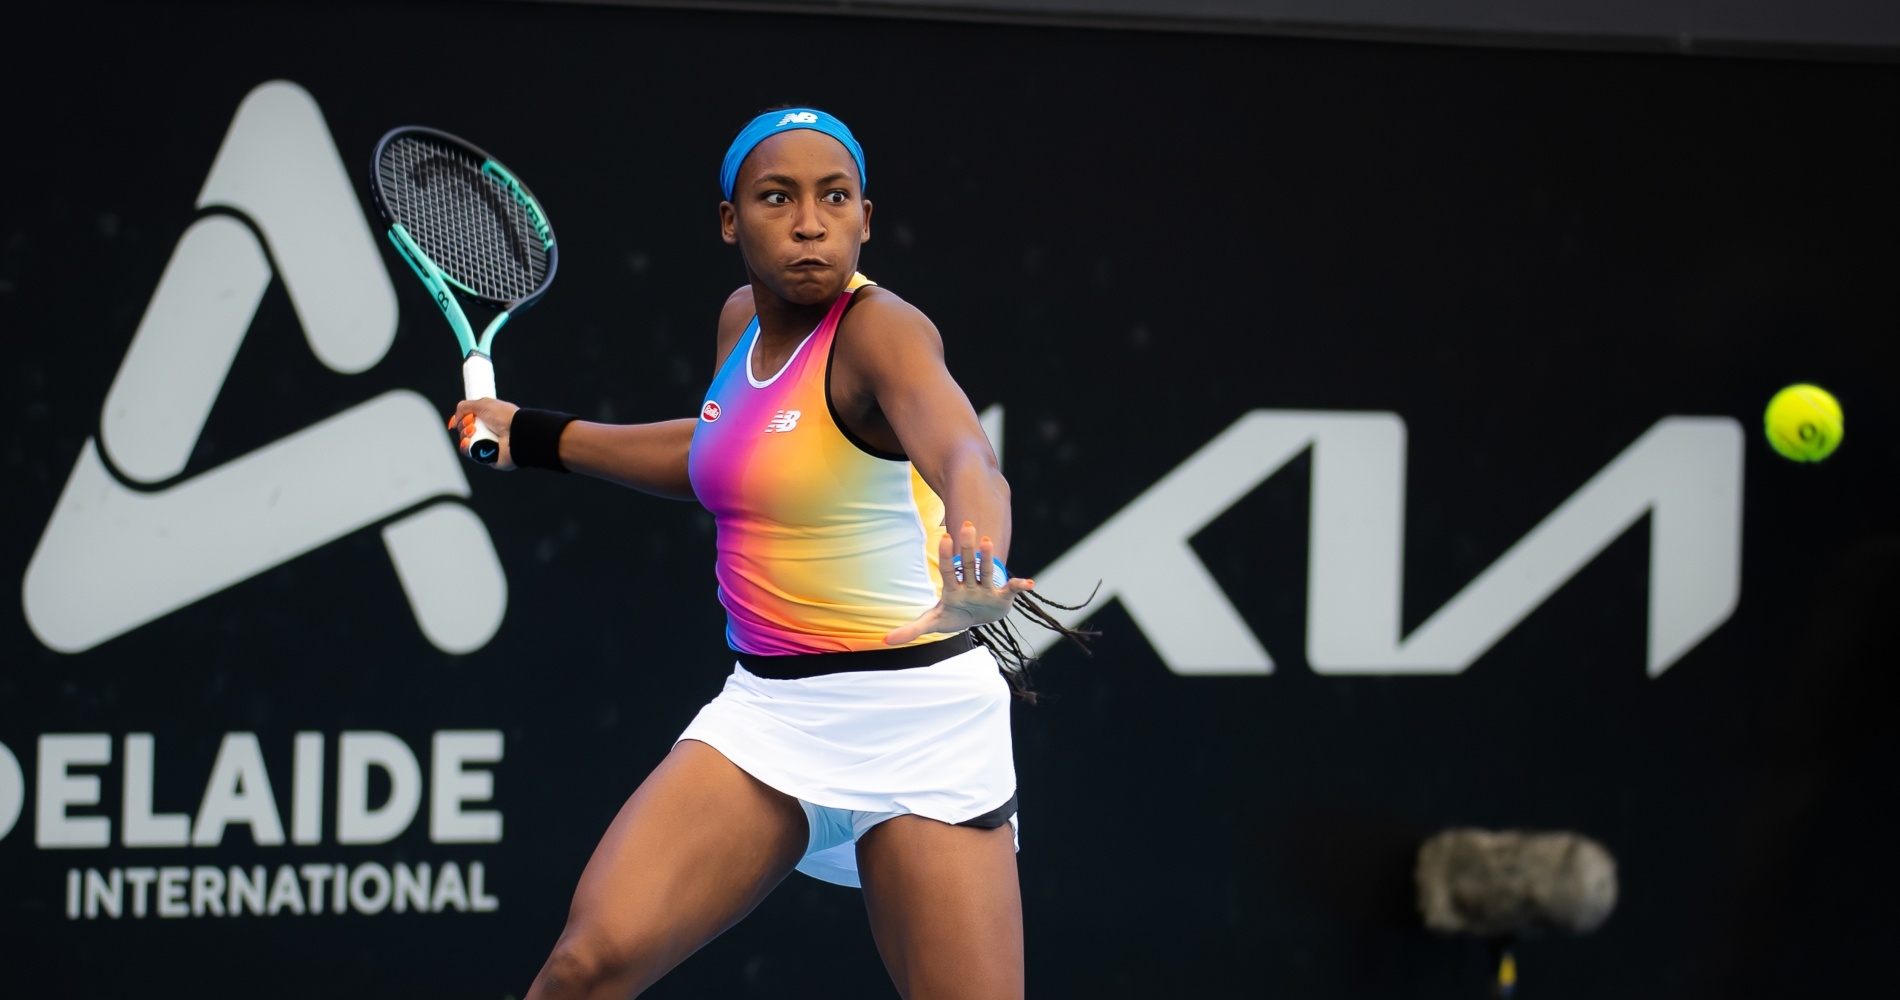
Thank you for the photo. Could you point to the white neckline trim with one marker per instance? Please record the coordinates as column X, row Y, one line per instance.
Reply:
column 754, row 346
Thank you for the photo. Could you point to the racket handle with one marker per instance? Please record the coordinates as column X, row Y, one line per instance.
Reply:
column 478, row 382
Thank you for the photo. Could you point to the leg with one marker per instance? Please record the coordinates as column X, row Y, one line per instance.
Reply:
column 698, row 845
column 945, row 908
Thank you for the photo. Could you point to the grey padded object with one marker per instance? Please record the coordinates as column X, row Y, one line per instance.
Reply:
column 1495, row 884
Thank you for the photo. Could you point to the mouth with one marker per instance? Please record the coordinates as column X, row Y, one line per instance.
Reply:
column 808, row 263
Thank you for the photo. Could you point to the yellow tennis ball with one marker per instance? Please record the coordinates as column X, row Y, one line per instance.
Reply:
column 1804, row 423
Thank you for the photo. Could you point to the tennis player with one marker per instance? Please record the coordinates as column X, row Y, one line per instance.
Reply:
column 863, row 736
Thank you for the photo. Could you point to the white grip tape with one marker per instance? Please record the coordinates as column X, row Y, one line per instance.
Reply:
column 478, row 382
column 478, row 377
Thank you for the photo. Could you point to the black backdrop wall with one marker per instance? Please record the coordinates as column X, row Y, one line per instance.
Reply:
column 1130, row 242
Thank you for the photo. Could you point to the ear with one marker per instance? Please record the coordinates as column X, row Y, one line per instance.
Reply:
column 729, row 223
column 865, row 236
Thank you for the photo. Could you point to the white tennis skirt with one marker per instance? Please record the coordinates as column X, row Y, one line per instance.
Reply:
column 929, row 741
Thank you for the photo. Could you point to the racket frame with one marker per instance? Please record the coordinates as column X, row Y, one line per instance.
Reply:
column 478, row 372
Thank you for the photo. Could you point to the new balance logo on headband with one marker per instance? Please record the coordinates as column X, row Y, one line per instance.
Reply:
column 798, row 118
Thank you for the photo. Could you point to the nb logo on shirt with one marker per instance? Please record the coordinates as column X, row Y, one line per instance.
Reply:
column 802, row 118
column 783, row 420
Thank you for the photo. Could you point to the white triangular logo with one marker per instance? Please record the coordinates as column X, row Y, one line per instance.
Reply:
column 113, row 558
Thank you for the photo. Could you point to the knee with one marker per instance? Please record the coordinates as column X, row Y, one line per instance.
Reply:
column 586, row 965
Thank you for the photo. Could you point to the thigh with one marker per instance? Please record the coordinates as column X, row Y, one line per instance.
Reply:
column 695, row 848
column 945, row 908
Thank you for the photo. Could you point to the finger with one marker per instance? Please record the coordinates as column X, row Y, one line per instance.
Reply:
column 924, row 625
column 946, row 569
column 986, row 561
column 968, row 546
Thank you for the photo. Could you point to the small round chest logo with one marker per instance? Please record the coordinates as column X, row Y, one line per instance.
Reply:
column 709, row 412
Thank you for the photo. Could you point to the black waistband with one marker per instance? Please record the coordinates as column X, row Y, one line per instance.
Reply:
column 803, row 665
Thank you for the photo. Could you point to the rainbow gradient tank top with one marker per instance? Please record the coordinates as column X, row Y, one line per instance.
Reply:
column 823, row 547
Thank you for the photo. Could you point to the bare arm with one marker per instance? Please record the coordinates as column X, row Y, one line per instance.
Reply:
column 898, row 361
column 646, row 457
column 650, row 458
column 893, row 374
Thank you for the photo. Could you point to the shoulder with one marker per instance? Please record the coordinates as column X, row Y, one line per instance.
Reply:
column 880, row 322
column 737, row 312
column 734, row 317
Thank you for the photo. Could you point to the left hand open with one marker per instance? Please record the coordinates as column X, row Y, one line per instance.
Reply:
column 968, row 602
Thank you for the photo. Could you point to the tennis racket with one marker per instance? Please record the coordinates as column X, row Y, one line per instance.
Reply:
column 470, row 230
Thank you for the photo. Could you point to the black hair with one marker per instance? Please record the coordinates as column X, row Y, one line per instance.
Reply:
column 1006, row 644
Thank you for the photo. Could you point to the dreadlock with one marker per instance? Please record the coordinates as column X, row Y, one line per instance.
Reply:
column 1013, row 655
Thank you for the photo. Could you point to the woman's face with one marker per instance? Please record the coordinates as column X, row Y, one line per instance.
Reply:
column 798, row 214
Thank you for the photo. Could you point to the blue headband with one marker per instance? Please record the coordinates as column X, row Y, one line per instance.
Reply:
column 772, row 123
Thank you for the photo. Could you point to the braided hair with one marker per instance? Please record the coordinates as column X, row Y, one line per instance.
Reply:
column 1013, row 655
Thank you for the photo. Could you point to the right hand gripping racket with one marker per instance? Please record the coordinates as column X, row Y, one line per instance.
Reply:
column 470, row 230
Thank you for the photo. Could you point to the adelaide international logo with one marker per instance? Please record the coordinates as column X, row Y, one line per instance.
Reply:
column 116, row 556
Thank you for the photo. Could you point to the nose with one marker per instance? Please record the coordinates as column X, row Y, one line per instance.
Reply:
column 809, row 225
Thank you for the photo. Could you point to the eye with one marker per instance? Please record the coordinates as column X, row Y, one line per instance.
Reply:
column 834, row 197
column 776, row 198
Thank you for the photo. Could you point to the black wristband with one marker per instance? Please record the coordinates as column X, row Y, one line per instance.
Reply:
column 534, row 439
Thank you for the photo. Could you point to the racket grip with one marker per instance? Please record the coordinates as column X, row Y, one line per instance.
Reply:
column 478, row 382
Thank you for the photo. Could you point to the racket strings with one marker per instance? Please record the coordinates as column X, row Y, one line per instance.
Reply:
column 464, row 219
